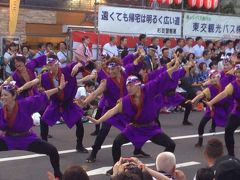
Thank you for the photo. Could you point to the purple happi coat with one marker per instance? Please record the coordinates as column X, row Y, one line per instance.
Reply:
column 221, row 109
column 17, row 133
column 141, row 119
column 152, row 75
column 116, row 90
column 169, row 96
column 61, row 104
column 129, row 59
column 30, row 66
column 224, row 107
column 101, row 75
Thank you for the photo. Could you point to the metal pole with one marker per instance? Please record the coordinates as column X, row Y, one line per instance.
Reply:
column 95, row 25
column 98, row 41
column 219, row 6
column 95, row 16
column 182, row 4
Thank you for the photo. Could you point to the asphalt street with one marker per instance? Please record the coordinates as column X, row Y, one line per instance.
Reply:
column 19, row 165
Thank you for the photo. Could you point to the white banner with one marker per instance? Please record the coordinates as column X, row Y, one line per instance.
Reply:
column 211, row 26
column 139, row 21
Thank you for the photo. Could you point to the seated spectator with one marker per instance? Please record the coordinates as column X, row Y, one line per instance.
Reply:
column 229, row 47
column 206, row 58
column 26, row 52
column 180, row 44
column 168, row 44
column 63, row 54
column 155, row 42
column 203, row 72
column 166, row 164
column 75, row 172
column 122, row 47
column 213, row 66
column 198, row 48
column 165, row 56
column 190, row 83
column 141, row 43
column 82, row 93
column 205, row 174
column 188, row 48
column 149, row 59
column 180, row 53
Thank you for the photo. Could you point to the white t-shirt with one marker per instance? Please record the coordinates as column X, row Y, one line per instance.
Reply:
column 62, row 56
column 198, row 51
column 110, row 50
column 187, row 49
column 81, row 92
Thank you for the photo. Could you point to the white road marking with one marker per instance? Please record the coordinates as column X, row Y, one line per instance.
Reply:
column 103, row 170
column 103, row 147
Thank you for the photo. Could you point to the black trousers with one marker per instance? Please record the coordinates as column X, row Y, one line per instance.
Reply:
column 44, row 130
column 188, row 108
column 79, row 131
column 101, row 137
column 98, row 116
column 213, row 126
column 159, row 139
column 41, row 147
column 202, row 125
column 232, row 125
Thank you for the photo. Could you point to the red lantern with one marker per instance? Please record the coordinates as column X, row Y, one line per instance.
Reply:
column 214, row 4
column 207, row 4
column 177, row 2
column 199, row 4
column 169, row 2
column 192, row 3
column 160, row 1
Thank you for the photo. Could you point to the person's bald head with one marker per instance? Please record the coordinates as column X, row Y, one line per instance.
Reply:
column 166, row 162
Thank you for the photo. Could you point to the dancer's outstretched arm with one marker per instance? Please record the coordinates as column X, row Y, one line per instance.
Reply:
column 115, row 110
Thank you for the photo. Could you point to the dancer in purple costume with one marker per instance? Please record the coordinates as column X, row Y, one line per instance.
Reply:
column 231, row 90
column 16, row 123
column 62, row 104
column 140, row 112
column 113, row 88
column 221, row 109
